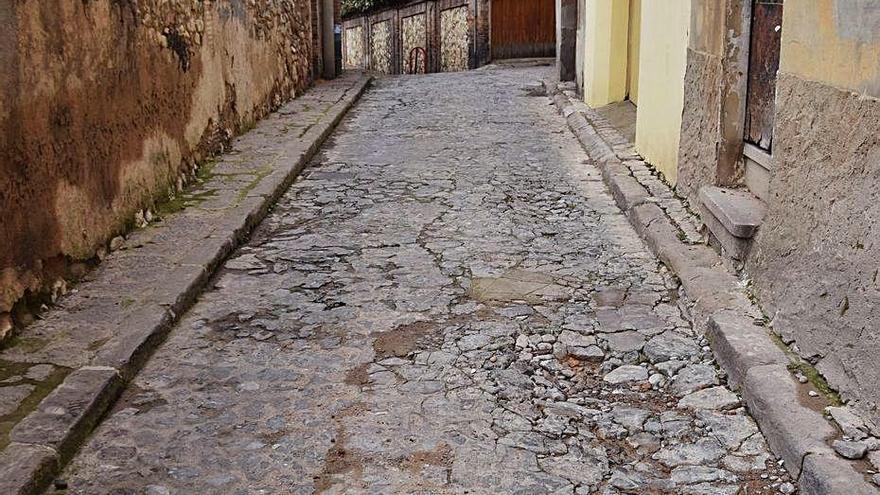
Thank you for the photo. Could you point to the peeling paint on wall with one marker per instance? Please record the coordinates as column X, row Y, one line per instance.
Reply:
column 836, row 42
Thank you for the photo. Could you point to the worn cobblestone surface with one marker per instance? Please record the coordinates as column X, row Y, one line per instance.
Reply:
column 448, row 301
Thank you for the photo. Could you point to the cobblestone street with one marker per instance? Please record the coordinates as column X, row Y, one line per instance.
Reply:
column 447, row 301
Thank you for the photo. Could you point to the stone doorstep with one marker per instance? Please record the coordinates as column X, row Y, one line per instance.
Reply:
column 795, row 432
column 48, row 437
column 737, row 210
column 736, row 248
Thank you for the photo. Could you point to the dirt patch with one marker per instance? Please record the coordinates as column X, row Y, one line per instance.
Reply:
column 354, row 409
column 338, row 461
column 358, row 375
column 440, row 456
column 518, row 285
column 406, row 339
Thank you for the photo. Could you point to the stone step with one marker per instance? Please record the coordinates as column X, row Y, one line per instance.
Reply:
column 740, row 212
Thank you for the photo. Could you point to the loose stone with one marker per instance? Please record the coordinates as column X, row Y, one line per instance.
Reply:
column 850, row 450
column 626, row 373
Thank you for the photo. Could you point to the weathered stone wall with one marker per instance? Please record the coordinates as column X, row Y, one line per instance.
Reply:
column 105, row 105
column 816, row 258
column 700, row 124
column 710, row 151
column 453, row 34
column 454, row 39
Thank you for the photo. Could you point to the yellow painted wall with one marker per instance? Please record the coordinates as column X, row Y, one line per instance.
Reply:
column 605, row 57
column 662, row 65
column 635, row 32
column 836, row 42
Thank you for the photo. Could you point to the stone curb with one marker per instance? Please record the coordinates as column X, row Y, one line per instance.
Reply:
column 45, row 440
column 798, row 434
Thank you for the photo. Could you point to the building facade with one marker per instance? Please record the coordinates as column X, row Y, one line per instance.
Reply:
column 765, row 112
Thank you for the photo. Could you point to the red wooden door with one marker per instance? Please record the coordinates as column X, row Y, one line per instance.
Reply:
column 763, row 65
column 523, row 28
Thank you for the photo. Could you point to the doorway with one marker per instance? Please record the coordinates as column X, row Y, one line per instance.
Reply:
column 523, row 28
column 763, row 65
column 760, row 111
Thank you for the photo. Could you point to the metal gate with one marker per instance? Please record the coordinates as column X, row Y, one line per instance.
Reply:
column 763, row 64
column 523, row 28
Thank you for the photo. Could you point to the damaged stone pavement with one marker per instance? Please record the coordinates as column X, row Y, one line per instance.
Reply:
column 444, row 269
column 433, row 307
column 436, row 307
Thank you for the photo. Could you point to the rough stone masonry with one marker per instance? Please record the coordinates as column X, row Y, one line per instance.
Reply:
column 448, row 301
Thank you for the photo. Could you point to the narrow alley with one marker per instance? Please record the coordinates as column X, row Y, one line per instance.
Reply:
column 447, row 301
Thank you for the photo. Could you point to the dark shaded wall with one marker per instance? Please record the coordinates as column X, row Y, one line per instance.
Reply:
column 105, row 105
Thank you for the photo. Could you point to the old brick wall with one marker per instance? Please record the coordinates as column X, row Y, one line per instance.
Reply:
column 105, row 105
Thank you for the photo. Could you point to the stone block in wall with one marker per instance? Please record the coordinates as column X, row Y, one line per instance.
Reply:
column 381, row 47
column 454, row 39
column 354, row 54
column 414, row 40
column 700, row 124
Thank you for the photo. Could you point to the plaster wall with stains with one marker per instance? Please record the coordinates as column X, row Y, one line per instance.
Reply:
column 816, row 258
column 104, row 105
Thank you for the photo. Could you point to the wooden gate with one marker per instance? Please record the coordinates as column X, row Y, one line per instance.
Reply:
column 523, row 28
column 763, row 64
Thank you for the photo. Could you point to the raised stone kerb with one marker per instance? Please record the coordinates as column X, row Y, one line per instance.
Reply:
column 191, row 251
column 792, row 429
column 70, row 411
column 795, row 432
column 25, row 468
column 740, row 345
column 824, row 473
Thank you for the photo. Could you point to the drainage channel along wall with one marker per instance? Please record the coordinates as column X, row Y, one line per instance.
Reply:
column 107, row 105
column 420, row 37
